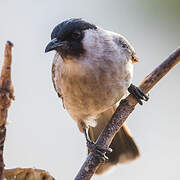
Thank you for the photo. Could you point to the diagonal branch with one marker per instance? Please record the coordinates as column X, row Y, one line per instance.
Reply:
column 124, row 109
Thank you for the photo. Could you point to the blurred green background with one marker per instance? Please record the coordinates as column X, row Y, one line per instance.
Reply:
column 40, row 132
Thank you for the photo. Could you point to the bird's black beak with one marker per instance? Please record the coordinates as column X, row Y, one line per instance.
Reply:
column 53, row 44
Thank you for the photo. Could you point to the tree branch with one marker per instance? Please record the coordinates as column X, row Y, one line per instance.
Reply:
column 124, row 109
column 6, row 95
column 27, row 174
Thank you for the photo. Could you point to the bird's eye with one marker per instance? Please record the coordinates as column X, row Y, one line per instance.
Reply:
column 76, row 35
column 124, row 45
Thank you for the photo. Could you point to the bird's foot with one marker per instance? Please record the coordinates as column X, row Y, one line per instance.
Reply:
column 138, row 94
column 98, row 151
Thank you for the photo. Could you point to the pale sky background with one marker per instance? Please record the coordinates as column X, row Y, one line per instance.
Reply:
column 41, row 134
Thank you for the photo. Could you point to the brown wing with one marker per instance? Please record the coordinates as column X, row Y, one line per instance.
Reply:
column 53, row 77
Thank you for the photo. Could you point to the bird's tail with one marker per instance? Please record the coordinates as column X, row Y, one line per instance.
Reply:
column 123, row 145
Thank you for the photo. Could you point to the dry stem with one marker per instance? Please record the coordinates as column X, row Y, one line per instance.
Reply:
column 6, row 95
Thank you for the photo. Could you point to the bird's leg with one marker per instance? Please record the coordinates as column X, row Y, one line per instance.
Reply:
column 96, row 149
column 138, row 94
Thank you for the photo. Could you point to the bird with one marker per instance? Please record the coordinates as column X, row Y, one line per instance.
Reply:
column 92, row 71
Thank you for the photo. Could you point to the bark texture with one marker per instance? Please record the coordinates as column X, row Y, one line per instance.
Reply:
column 27, row 174
column 6, row 96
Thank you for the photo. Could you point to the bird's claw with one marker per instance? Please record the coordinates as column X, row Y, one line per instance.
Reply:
column 99, row 151
column 138, row 94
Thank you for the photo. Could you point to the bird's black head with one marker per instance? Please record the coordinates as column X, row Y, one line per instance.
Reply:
column 66, row 37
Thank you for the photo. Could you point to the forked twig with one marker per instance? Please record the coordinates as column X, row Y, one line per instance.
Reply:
column 6, row 96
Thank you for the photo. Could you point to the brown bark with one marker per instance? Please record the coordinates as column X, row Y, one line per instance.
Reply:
column 124, row 109
column 27, row 174
column 6, row 95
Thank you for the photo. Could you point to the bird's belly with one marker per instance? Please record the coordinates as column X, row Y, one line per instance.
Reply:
column 89, row 96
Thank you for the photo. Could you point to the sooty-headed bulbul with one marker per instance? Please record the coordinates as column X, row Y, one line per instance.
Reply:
column 92, row 70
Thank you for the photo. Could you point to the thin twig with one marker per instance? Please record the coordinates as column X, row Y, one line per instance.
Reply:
column 124, row 109
column 6, row 95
